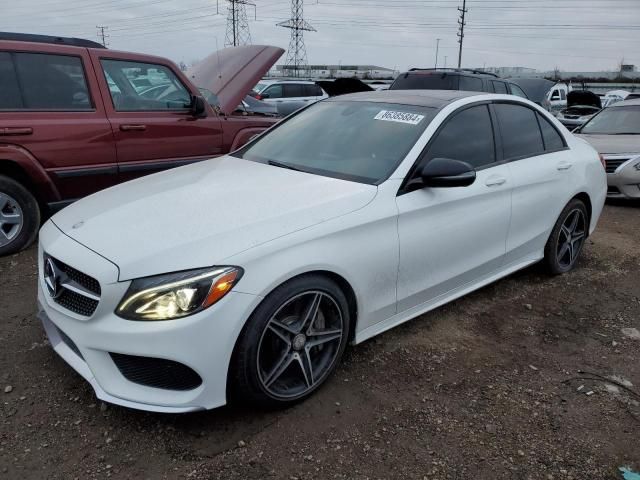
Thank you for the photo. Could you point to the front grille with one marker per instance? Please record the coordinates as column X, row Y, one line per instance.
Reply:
column 69, row 343
column 156, row 372
column 77, row 303
column 74, row 290
column 614, row 163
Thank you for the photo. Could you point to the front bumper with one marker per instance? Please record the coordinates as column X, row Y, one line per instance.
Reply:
column 625, row 181
column 203, row 342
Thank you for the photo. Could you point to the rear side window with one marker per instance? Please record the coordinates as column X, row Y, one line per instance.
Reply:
column 563, row 95
column 467, row 136
column 427, row 81
column 312, row 91
column 552, row 139
column 521, row 135
column 293, row 90
column 51, row 82
column 10, row 98
column 499, row 87
column 470, row 84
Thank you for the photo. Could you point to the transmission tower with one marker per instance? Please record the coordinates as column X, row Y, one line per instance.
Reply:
column 462, row 22
column 102, row 36
column 297, row 52
column 237, row 24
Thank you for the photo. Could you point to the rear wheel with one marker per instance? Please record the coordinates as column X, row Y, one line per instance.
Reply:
column 567, row 238
column 292, row 342
column 19, row 216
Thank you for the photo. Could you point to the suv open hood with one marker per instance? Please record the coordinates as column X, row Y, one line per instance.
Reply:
column 342, row 86
column 232, row 72
column 584, row 98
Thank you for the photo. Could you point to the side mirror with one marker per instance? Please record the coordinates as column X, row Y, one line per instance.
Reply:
column 446, row 172
column 198, row 106
column 264, row 95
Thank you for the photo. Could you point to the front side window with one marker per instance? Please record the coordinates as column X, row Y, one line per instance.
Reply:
column 274, row 91
column 136, row 86
column 51, row 82
column 555, row 95
column 519, row 129
column 10, row 97
column 468, row 136
column 563, row 95
column 517, row 91
column 358, row 141
column 615, row 121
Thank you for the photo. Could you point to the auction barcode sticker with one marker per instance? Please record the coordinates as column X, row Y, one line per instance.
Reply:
column 401, row 117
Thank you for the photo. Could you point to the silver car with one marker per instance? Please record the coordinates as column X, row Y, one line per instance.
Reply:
column 615, row 133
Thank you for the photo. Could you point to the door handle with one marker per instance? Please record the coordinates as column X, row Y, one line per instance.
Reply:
column 564, row 166
column 16, row 131
column 130, row 127
column 495, row 181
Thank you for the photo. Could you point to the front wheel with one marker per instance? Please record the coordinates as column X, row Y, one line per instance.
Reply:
column 19, row 216
column 292, row 342
column 567, row 238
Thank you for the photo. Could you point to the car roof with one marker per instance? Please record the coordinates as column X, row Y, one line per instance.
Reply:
column 66, row 41
column 634, row 102
column 421, row 98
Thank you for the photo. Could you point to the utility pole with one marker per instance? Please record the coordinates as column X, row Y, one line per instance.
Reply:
column 445, row 61
column 102, row 35
column 237, row 24
column 462, row 23
column 297, row 52
column 437, row 48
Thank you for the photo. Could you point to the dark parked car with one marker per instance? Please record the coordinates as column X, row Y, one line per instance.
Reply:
column 455, row 79
column 76, row 117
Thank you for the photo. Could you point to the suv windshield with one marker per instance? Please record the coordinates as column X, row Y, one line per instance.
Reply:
column 426, row 81
column 357, row 141
column 615, row 121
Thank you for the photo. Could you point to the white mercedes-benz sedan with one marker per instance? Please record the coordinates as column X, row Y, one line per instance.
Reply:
column 246, row 276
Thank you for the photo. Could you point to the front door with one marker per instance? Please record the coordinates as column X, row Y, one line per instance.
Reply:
column 453, row 237
column 148, row 107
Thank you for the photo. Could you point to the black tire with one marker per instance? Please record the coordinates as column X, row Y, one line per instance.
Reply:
column 557, row 259
column 30, row 211
column 246, row 381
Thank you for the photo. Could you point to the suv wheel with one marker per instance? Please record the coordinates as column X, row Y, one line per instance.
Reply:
column 19, row 216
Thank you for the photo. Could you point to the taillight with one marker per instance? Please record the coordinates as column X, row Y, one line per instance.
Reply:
column 258, row 96
column 603, row 161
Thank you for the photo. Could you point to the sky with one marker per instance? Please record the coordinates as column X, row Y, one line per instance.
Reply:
column 571, row 35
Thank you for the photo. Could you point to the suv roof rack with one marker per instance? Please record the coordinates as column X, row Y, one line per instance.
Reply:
column 30, row 37
column 466, row 70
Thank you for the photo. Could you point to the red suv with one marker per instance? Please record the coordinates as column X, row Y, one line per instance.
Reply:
column 76, row 117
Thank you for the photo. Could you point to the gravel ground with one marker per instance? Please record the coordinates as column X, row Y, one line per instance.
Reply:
column 491, row 386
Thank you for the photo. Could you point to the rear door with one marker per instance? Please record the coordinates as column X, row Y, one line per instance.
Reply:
column 454, row 237
column 539, row 162
column 51, row 107
column 147, row 103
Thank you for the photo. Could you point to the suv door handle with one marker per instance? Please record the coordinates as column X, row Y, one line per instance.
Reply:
column 129, row 127
column 495, row 181
column 564, row 165
column 16, row 131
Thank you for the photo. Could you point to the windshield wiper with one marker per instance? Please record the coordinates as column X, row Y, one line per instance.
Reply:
column 284, row 165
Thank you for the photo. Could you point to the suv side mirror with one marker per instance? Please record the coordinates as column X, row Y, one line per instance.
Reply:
column 198, row 106
column 264, row 95
column 446, row 172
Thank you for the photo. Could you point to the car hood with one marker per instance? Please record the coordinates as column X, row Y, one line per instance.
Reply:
column 232, row 72
column 583, row 98
column 342, row 86
column 613, row 144
column 201, row 214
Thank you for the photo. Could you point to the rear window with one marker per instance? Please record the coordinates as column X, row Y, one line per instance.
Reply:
column 499, row 87
column 312, row 91
column 292, row 90
column 426, row 81
column 43, row 82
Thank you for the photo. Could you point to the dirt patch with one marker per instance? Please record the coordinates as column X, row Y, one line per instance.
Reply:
column 494, row 385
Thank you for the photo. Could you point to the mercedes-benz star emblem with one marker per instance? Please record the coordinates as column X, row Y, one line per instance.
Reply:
column 52, row 278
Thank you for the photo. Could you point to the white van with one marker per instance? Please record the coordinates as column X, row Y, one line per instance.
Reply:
column 557, row 98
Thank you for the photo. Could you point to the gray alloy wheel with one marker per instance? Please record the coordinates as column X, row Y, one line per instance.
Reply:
column 571, row 238
column 11, row 219
column 300, row 344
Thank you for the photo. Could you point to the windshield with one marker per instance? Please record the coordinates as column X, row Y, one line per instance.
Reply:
column 357, row 141
column 259, row 86
column 615, row 121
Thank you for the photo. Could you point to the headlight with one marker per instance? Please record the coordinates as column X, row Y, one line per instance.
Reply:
column 176, row 295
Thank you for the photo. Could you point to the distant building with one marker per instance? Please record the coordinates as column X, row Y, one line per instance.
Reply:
column 628, row 68
column 337, row 71
column 510, row 71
